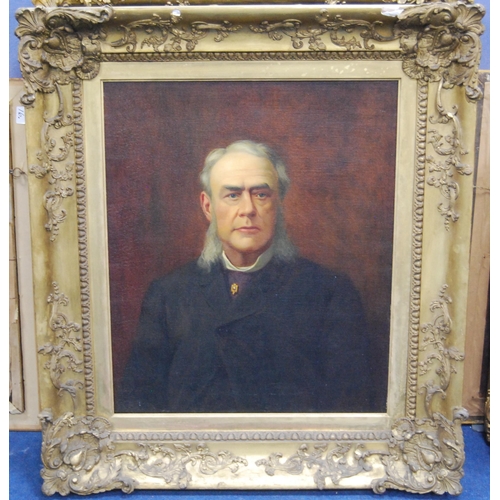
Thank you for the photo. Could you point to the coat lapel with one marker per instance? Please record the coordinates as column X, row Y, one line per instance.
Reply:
column 255, row 298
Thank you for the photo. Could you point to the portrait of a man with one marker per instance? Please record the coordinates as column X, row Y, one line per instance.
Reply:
column 250, row 326
column 250, row 245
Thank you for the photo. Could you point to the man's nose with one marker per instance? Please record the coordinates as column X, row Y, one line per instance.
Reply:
column 247, row 207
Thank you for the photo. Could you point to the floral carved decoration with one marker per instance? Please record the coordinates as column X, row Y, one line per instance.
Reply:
column 164, row 34
column 440, row 43
column 63, row 352
column 449, row 147
column 323, row 24
column 79, row 456
column 432, row 448
column 72, row 448
column 56, row 164
column 420, row 2
column 439, row 40
column 343, row 460
column 435, row 336
column 425, row 456
column 420, row 456
column 170, row 461
column 58, row 46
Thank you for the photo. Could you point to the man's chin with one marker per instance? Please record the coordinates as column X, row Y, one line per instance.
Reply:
column 249, row 249
column 244, row 253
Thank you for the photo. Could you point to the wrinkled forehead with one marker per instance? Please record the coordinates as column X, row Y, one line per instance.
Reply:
column 243, row 169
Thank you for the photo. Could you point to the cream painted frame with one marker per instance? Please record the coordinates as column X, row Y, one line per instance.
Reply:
column 23, row 416
column 65, row 57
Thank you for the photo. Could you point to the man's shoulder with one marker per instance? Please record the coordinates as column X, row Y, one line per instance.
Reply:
column 184, row 275
column 302, row 268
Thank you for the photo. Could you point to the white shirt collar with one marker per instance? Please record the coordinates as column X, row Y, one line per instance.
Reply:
column 261, row 261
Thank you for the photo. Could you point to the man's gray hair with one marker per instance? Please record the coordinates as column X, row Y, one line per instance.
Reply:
column 283, row 248
column 251, row 148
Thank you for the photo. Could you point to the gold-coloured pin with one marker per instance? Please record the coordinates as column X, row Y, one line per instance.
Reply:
column 234, row 288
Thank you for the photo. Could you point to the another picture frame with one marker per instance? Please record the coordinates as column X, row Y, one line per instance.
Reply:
column 24, row 394
column 405, row 76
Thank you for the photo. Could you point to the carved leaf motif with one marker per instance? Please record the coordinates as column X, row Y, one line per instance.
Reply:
column 455, row 354
column 62, row 358
column 58, row 45
column 161, row 30
column 440, row 41
column 294, row 30
column 343, row 460
column 54, row 165
column 421, row 455
column 428, row 459
column 57, row 3
column 453, row 159
column 436, row 336
column 79, row 457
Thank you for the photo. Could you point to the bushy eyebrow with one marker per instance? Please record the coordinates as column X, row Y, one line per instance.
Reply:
column 265, row 185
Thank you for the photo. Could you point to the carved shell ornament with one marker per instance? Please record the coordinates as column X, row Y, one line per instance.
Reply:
column 431, row 452
column 448, row 48
column 80, row 457
column 59, row 46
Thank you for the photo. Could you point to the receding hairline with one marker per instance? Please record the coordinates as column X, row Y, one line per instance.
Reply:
column 249, row 148
column 267, row 163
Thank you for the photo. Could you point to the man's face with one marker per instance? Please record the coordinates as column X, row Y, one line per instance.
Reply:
column 244, row 204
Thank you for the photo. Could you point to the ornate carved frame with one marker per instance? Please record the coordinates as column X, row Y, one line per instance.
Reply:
column 432, row 48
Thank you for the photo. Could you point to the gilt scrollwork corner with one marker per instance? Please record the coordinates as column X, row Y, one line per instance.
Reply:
column 420, row 456
column 441, row 42
column 77, row 456
column 64, row 350
column 80, row 457
column 58, row 46
column 425, row 456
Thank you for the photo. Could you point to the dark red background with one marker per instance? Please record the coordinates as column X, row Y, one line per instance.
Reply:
column 338, row 139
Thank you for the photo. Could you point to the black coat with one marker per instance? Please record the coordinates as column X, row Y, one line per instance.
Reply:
column 294, row 340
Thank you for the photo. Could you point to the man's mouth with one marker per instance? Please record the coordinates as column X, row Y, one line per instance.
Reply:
column 247, row 229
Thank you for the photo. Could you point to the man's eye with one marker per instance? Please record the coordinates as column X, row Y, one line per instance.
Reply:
column 232, row 196
column 261, row 196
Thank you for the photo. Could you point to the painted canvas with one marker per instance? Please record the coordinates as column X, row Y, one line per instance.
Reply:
column 304, row 336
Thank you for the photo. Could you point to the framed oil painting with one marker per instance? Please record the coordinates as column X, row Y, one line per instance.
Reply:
column 250, row 230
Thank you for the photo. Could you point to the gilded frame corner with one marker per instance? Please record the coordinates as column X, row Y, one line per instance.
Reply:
column 432, row 49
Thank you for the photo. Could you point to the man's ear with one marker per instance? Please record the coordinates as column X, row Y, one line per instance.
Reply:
column 206, row 205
